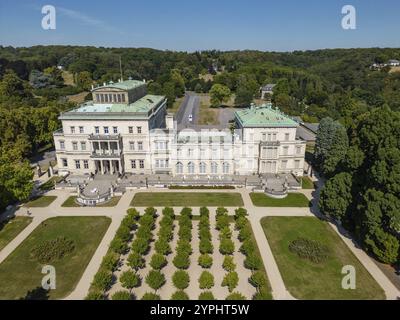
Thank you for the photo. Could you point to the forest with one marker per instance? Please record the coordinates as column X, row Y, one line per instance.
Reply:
column 357, row 106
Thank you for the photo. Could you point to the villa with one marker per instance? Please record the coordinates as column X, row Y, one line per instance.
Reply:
column 128, row 133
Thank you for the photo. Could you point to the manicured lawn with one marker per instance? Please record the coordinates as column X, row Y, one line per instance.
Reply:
column 11, row 228
column 190, row 199
column 21, row 272
column 292, row 200
column 307, row 280
column 43, row 201
column 307, row 183
column 70, row 202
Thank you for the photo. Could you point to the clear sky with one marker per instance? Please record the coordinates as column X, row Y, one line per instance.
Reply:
column 188, row 25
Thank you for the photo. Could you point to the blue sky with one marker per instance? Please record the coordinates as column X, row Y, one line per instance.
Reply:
column 279, row 25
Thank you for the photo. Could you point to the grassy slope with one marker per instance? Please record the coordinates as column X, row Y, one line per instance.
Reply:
column 306, row 280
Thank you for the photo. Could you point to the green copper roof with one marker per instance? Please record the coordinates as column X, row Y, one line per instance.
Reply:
column 123, row 85
column 263, row 116
column 141, row 108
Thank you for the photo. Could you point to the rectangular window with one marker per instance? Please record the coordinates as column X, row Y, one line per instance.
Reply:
column 110, row 97
column 86, row 164
column 105, row 130
column 64, row 162
column 133, row 164
column 74, row 146
column 285, row 151
column 115, row 130
column 286, row 136
column 131, row 145
column 264, row 136
column 114, row 97
column 72, row 129
column 298, row 150
column 284, row 164
column 140, row 145
column 274, row 137
column 83, row 146
column 130, row 129
column 81, row 130
column 119, row 97
column 106, row 98
column 97, row 97
column 296, row 164
column 62, row 145
column 123, row 97
column 102, row 98
column 77, row 164
column 139, row 129
column 141, row 164
column 96, row 130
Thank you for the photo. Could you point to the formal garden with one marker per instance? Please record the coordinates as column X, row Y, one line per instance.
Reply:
column 161, row 255
column 310, row 256
column 67, row 243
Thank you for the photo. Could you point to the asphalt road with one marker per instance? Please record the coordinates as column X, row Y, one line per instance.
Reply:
column 190, row 105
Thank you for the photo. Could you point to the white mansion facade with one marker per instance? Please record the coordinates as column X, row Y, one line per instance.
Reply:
column 124, row 130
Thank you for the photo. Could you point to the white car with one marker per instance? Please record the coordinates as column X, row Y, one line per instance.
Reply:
column 190, row 117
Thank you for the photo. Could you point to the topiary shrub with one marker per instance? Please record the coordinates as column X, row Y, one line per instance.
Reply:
column 158, row 261
column 133, row 214
column 121, row 295
column 118, row 245
column 151, row 296
column 186, row 212
column 235, row 296
column 184, row 246
column 240, row 213
column 102, row 280
column 257, row 279
column 52, row 250
column 311, row 250
column 136, row 261
column 179, row 295
column 230, row 280
column 252, row 262
column 140, row 245
column 205, row 261
column 124, row 233
column 185, row 233
column 129, row 280
column 162, row 246
column 247, row 247
column 180, row 279
column 168, row 212
column 150, row 211
column 95, row 295
column 206, row 246
column 229, row 264
column 240, row 223
column 206, row 280
column 181, row 261
column 262, row 294
column 110, row 261
column 204, row 212
column 206, row 295
column 226, row 246
column 245, row 233
column 155, row 279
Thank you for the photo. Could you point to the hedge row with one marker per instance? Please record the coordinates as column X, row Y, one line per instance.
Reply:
column 103, row 279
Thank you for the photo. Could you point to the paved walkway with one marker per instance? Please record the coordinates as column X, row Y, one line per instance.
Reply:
column 255, row 214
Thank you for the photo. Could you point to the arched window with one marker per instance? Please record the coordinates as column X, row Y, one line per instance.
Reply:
column 214, row 167
column 225, row 167
column 202, row 167
column 179, row 168
column 191, row 167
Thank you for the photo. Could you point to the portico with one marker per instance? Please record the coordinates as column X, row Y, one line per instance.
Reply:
column 108, row 166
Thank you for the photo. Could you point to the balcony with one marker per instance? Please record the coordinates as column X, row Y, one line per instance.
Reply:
column 104, row 153
column 270, row 143
column 104, row 137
